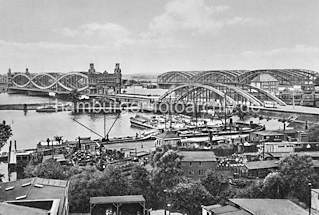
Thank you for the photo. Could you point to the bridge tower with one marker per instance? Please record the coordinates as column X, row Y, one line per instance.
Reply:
column 118, row 78
column 9, row 77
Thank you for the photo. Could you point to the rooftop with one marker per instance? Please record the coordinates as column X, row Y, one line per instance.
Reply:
column 6, row 208
column 197, row 156
column 117, row 199
column 34, row 189
column 262, row 164
column 168, row 135
column 270, row 206
column 225, row 210
column 264, row 78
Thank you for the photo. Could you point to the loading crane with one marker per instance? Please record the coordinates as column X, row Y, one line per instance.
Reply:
column 105, row 137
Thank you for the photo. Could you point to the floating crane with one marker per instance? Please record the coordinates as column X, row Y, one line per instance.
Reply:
column 105, row 137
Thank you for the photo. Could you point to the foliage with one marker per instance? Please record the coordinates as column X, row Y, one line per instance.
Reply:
column 314, row 134
column 167, row 169
column 50, row 169
column 166, row 174
column 5, row 133
column 116, row 183
column 188, row 198
column 297, row 172
column 140, row 180
column 214, row 182
column 92, row 182
column 223, row 150
column 255, row 190
column 83, row 186
column 274, row 186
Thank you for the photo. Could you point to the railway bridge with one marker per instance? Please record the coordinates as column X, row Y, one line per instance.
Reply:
column 284, row 76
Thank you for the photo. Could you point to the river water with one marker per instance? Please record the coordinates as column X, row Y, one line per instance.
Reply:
column 31, row 127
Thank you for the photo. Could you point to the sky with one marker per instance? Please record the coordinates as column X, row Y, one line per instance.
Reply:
column 156, row 36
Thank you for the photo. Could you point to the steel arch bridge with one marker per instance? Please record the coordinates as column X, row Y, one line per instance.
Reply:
column 56, row 82
column 176, row 77
column 284, row 76
column 216, row 94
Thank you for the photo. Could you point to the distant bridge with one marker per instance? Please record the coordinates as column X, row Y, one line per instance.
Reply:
column 284, row 76
column 216, row 93
column 49, row 82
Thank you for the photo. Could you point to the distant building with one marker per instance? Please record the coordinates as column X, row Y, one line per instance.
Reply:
column 266, row 82
column 34, row 196
column 168, row 138
column 285, row 147
column 196, row 163
column 258, row 169
column 104, row 83
column 3, row 83
column 266, row 136
column 3, row 79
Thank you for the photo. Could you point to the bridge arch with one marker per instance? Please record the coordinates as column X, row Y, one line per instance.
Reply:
column 17, row 80
column 219, row 76
column 284, row 76
column 266, row 94
column 199, row 93
column 48, row 81
column 175, row 77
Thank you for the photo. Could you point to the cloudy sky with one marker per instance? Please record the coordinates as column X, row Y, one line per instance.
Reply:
column 155, row 36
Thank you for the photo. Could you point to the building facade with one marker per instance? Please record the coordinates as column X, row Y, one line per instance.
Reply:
column 105, row 83
column 196, row 163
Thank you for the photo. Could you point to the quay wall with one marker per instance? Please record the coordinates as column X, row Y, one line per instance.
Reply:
column 310, row 117
column 32, row 106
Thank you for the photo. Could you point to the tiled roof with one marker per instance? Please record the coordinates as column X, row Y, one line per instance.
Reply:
column 262, row 164
column 117, row 199
column 197, row 156
column 270, row 206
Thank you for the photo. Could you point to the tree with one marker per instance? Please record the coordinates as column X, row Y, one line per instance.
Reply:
column 274, row 186
column 188, row 198
column 140, row 180
column 116, row 183
column 297, row 171
column 50, row 169
column 83, row 186
column 166, row 174
column 167, row 169
column 5, row 133
column 215, row 183
column 140, row 184
column 92, row 182
column 252, row 191
column 314, row 134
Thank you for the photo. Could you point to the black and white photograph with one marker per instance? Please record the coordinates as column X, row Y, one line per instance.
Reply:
column 159, row 107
